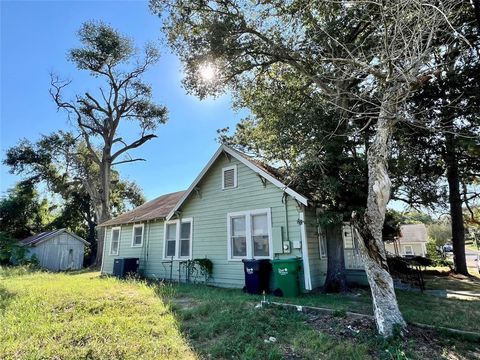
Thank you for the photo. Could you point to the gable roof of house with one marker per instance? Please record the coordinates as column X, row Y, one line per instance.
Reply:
column 413, row 233
column 157, row 208
column 262, row 170
column 165, row 206
column 47, row 235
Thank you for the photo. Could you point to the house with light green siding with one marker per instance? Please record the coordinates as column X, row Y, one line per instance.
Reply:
column 237, row 208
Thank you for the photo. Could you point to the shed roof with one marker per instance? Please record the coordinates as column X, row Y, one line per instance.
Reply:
column 157, row 208
column 46, row 235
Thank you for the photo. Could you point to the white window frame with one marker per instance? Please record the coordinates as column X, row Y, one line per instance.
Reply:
column 248, row 234
column 177, row 239
column 133, row 235
column 344, row 238
column 322, row 237
column 405, row 250
column 234, row 167
column 119, row 228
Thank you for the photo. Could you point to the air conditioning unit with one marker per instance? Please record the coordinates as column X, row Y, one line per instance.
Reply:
column 122, row 267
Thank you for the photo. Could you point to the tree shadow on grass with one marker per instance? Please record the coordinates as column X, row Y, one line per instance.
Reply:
column 5, row 298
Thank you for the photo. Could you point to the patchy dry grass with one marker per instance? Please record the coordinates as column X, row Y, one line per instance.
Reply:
column 223, row 323
column 84, row 316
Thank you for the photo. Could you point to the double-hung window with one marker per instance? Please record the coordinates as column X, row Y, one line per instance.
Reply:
column 408, row 249
column 115, row 241
column 322, row 238
column 238, row 236
column 137, row 235
column 249, row 234
column 178, row 239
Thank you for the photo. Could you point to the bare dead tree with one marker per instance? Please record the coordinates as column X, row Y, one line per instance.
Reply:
column 110, row 57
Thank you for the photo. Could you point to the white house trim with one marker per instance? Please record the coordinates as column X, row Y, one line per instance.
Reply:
column 248, row 233
column 306, row 263
column 234, row 168
column 224, row 148
column 103, row 249
column 133, row 235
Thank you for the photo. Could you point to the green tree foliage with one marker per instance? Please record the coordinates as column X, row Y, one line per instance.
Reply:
column 56, row 162
column 365, row 58
column 292, row 128
column 440, row 232
column 23, row 212
column 441, row 142
column 410, row 217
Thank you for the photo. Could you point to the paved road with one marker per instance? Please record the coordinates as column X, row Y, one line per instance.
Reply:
column 471, row 256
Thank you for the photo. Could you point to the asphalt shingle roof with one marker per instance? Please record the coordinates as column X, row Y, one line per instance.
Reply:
column 157, row 208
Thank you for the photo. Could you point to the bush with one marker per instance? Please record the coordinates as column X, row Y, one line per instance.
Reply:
column 14, row 253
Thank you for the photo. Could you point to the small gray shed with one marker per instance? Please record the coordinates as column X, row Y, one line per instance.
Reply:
column 57, row 250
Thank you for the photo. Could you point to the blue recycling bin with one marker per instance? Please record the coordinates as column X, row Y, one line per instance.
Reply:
column 257, row 275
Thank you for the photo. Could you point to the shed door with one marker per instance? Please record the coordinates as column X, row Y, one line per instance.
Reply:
column 66, row 257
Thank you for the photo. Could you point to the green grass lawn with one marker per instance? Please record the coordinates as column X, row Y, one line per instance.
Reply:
column 65, row 316
column 83, row 316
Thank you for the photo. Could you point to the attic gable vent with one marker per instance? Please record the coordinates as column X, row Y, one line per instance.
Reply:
column 229, row 177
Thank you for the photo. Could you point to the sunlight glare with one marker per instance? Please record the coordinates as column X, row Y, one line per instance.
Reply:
column 207, row 71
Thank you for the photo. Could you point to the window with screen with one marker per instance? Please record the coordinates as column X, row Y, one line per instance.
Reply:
column 249, row 234
column 137, row 236
column 115, row 241
column 178, row 239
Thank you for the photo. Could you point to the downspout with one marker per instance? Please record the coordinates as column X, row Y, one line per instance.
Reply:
column 147, row 245
column 287, row 237
column 306, row 263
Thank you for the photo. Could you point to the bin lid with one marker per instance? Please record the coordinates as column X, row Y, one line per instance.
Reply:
column 290, row 260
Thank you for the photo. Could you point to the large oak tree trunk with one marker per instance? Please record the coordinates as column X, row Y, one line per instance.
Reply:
column 385, row 306
column 336, row 280
column 103, row 203
column 455, row 200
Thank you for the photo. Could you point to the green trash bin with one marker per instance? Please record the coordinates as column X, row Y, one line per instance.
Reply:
column 285, row 277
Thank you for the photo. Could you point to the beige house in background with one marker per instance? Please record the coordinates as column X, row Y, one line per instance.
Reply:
column 412, row 241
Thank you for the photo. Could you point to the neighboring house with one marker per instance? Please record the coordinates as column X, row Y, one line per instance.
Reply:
column 57, row 250
column 236, row 208
column 411, row 242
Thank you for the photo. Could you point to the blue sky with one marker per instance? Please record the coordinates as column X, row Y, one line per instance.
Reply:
column 35, row 37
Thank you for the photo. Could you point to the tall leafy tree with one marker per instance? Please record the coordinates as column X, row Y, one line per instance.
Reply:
column 23, row 212
column 382, row 48
column 291, row 127
column 122, row 97
column 58, row 161
column 444, row 134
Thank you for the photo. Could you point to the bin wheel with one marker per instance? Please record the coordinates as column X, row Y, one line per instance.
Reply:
column 278, row 292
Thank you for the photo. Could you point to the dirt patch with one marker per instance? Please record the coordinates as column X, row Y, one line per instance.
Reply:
column 185, row 303
column 423, row 343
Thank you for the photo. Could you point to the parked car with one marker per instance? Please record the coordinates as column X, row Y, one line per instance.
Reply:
column 447, row 248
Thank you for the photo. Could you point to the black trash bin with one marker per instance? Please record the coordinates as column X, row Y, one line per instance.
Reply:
column 257, row 275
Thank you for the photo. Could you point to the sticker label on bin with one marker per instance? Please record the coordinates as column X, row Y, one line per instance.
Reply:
column 283, row 272
column 249, row 271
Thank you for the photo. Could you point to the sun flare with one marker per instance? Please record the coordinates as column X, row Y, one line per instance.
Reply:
column 207, row 71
